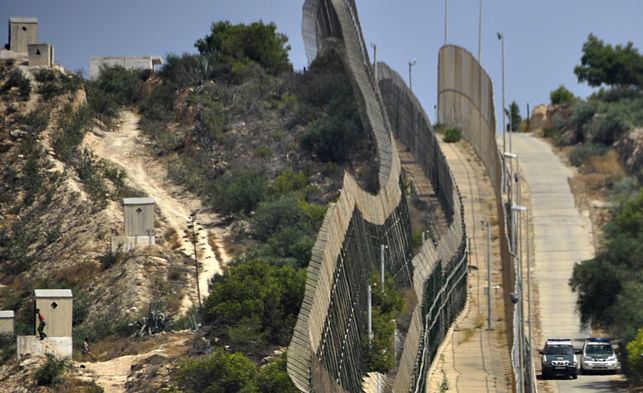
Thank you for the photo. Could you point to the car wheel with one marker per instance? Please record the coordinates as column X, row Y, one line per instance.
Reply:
column 574, row 375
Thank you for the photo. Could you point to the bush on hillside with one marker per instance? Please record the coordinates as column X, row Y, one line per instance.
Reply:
column 581, row 155
column 218, row 372
column 18, row 80
column 610, row 293
column 55, row 83
column 239, row 193
column 51, row 372
column 452, row 135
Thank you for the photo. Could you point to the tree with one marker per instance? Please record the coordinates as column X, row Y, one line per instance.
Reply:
column 618, row 66
column 259, row 43
column 561, row 96
column 515, row 117
column 255, row 303
column 220, row 372
column 610, row 293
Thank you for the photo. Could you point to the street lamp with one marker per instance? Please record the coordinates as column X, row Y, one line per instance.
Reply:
column 411, row 64
column 501, row 37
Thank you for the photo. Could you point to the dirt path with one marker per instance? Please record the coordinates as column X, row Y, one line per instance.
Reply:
column 125, row 147
column 112, row 375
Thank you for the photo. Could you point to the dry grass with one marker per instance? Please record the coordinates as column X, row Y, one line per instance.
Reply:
column 172, row 239
column 78, row 274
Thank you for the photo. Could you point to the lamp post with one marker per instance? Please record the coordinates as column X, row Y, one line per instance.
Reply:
column 374, row 60
column 411, row 64
column 446, row 13
column 480, row 34
column 501, row 37
column 383, row 247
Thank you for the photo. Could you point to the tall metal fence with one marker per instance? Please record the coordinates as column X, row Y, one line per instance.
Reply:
column 466, row 101
column 325, row 354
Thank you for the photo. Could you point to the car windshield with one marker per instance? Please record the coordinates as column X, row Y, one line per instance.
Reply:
column 602, row 349
column 558, row 350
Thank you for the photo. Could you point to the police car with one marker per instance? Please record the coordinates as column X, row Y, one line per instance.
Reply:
column 558, row 358
column 598, row 355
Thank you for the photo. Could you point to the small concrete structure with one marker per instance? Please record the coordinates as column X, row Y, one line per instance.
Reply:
column 22, row 32
column 7, row 318
column 56, row 305
column 139, row 225
column 139, row 216
column 97, row 63
column 40, row 55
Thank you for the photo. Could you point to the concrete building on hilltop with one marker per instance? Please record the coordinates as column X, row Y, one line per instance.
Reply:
column 97, row 63
column 23, row 45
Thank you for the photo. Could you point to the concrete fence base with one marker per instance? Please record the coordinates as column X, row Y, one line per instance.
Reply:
column 31, row 345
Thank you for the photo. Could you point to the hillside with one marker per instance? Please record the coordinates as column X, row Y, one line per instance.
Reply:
column 245, row 148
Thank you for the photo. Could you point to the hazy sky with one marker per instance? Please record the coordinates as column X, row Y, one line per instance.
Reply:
column 543, row 38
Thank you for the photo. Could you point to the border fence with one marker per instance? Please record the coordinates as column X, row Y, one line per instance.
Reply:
column 325, row 353
column 466, row 101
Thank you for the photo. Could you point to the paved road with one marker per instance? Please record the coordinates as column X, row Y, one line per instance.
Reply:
column 562, row 235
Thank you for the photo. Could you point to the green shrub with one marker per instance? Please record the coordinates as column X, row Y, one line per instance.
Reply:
column 51, row 372
column 273, row 377
column 634, row 358
column 580, row 155
column 239, row 194
column 561, row 96
column 66, row 141
column 287, row 182
column 606, row 127
column 452, row 135
column 34, row 122
column 17, row 79
column 219, row 372
column 387, row 304
column 112, row 258
column 274, row 216
column 54, row 83
column 262, row 151
column 7, row 347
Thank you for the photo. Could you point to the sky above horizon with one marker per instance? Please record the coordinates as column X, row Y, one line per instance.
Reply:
column 543, row 39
